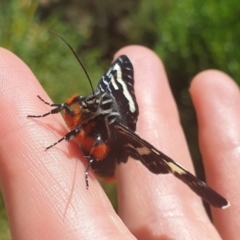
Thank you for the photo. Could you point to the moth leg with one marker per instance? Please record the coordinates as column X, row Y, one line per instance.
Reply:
column 70, row 135
column 98, row 152
column 57, row 108
column 87, row 170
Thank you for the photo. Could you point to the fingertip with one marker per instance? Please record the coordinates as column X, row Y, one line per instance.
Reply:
column 216, row 98
column 211, row 80
column 213, row 91
column 13, row 69
column 147, row 65
column 139, row 52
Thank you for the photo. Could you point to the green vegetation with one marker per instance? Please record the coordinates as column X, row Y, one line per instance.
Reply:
column 188, row 35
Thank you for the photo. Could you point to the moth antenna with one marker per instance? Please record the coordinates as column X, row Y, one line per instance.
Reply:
column 76, row 56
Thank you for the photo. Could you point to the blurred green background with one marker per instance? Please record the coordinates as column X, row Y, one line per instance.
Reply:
column 188, row 35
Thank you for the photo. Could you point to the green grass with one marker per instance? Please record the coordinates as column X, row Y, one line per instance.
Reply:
column 4, row 227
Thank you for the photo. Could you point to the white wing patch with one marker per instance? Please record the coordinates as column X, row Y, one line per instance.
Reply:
column 126, row 93
column 114, row 83
column 143, row 150
column 175, row 168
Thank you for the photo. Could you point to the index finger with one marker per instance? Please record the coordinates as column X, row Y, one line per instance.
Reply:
column 45, row 192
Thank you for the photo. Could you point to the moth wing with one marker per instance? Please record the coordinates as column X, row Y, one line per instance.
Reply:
column 118, row 81
column 157, row 162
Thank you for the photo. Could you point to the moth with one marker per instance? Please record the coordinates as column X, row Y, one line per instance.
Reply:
column 104, row 123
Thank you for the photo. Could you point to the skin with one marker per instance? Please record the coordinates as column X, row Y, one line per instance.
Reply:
column 45, row 192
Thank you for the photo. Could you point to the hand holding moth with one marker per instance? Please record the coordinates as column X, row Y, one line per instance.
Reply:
column 39, row 183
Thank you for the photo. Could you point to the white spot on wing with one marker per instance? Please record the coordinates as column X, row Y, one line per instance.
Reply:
column 109, row 72
column 114, row 83
column 155, row 151
column 141, row 150
column 125, row 90
column 104, row 81
column 175, row 168
column 226, row 206
column 101, row 88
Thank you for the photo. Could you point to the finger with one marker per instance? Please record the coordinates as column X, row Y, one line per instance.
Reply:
column 217, row 99
column 158, row 205
column 44, row 191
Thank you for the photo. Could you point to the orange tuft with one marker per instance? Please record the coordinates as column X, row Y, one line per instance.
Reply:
column 99, row 152
column 70, row 100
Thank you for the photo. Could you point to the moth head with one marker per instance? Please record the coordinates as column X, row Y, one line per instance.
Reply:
column 89, row 107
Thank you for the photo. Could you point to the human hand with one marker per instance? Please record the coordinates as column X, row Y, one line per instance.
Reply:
column 45, row 192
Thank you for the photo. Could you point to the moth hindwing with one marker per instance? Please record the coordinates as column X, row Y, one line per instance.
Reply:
column 104, row 123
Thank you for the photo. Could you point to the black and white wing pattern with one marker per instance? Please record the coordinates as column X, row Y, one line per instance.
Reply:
column 159, row 163
column 118, row 81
